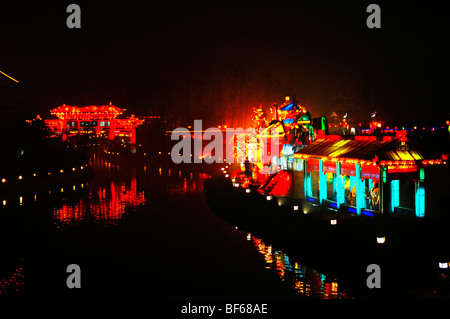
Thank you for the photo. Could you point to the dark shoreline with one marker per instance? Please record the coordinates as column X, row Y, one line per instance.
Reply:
column 408, row 259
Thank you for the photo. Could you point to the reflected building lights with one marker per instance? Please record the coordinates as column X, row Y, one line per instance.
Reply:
column 109, row 208
column 108, row 204
column 187, row 187
column 13, row 284
column 306, row 281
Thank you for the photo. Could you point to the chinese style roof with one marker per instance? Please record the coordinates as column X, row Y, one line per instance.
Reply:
column 362, row 149
column 86, row 112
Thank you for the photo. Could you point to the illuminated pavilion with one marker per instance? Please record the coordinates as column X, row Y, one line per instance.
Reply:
column 74, row 120
column 363, row 174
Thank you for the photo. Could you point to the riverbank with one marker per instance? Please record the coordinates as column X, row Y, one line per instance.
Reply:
column 408, row 258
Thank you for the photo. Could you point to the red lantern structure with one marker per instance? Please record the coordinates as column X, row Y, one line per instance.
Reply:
column 74, row 120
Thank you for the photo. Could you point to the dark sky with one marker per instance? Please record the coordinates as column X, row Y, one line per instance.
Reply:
column 216, row 59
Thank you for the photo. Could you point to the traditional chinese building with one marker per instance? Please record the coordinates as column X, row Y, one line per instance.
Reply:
column 74, row 120
column 364, row 175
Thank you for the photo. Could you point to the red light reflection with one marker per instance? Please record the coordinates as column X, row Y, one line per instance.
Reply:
column 188, row 185
column 108, row 207
column 13, row 283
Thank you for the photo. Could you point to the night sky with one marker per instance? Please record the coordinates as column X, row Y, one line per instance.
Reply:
column 214, row 60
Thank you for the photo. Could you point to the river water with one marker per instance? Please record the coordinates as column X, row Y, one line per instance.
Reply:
column 140, row 231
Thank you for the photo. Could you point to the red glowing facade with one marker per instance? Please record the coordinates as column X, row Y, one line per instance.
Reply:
column 74, row 120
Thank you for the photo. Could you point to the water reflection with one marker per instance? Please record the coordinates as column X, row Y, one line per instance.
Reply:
column 104, row 200
column 104, row 204
column 306, row 281
column 187, row 185
column 12, row 285
column 113, row 193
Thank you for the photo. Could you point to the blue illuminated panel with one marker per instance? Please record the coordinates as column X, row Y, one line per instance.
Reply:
column 366, row 213
column 420, row 201
column 395, row 194
column 312, row 199
column 288, row 107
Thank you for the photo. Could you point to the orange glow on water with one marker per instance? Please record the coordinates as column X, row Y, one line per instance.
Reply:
column 307, row 282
